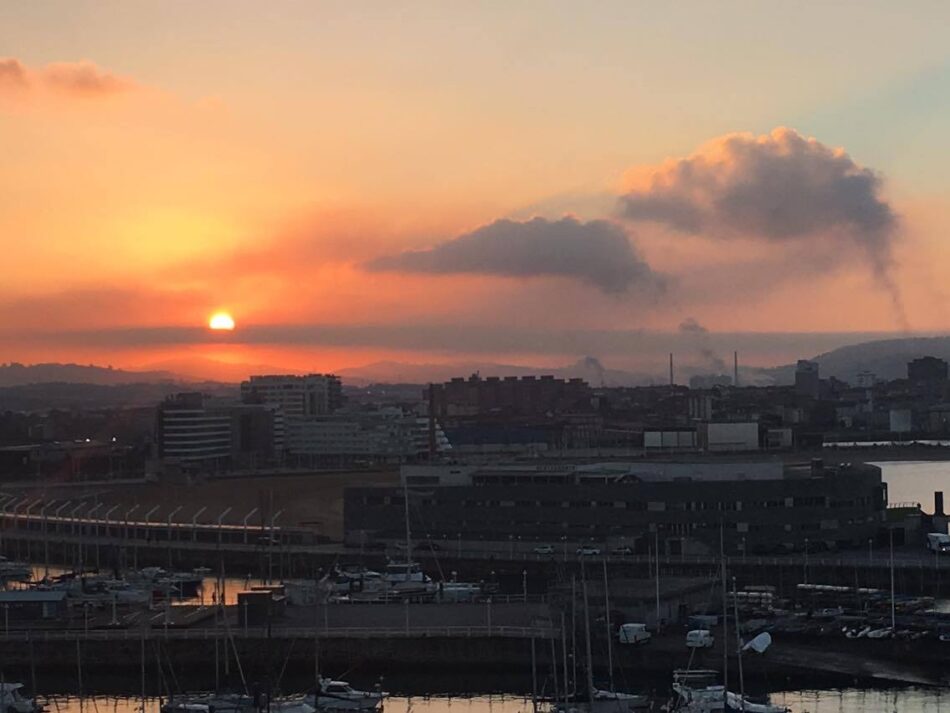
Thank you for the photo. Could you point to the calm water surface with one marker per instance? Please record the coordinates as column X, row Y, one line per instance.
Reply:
column 827, row 701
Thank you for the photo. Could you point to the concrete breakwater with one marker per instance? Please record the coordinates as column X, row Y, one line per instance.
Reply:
column 198, row 657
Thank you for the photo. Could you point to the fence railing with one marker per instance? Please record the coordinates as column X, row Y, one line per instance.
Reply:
column 261, row 632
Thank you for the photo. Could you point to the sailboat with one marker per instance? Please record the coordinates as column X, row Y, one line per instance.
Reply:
column 696, row 691
column 598, row 700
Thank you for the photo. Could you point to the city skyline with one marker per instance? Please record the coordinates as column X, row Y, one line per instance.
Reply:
column 523, row 184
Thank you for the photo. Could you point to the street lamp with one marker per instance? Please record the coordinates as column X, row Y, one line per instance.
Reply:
column 96, row 531
column 270, row 547
column 45, row 538
column 168, row 521
column 524, row 584
column 148, row 522
column 221, row 517
column 194, row 523
column 72, row 517
column 128, row 514
column 244, row 523
column 806, row 561
column 108, row 519
column 168, row 533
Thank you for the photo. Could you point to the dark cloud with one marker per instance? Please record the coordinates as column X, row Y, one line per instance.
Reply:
column 81, row 78
column 13, row 74
column 781, row 187
column 698, row 337
column 84, row 79
column 598, row 253
column 691, row 326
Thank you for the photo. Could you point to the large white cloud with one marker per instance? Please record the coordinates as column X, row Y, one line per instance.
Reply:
column 779, row 187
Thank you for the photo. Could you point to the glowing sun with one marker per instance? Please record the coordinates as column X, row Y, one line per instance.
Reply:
column 221, row 321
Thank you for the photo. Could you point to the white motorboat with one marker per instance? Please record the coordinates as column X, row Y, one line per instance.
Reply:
column 340, row 695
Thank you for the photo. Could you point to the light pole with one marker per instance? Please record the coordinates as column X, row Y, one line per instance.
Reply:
column 524, row 584
column 244, row 523
column 870, row 552
column 108, row 519
column 806, row 561
column 45, row 539
column 96, row 532
column 26, row 514
column 16, row 504
column 224, row 514
column 148, row 523
column 270, row 546
column 148, row 519
column 168, row 533
column 128, row 514
column 58, row 510
column 194, row 523
column 72, row 517
column 135, row 548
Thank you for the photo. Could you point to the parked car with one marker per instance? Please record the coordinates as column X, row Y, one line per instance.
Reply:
column 621, row 551
column 587, row 551
column 633, row 634
column 544, row 550
column 700, row 639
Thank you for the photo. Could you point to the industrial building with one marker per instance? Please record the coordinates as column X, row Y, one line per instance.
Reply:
column 757, row 507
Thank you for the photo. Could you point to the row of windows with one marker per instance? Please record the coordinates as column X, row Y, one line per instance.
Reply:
column 635, row 505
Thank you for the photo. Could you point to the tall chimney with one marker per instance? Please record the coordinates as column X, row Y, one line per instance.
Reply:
column 938, row 502
column 735, row 368
column 671, row 368
column 432, row 441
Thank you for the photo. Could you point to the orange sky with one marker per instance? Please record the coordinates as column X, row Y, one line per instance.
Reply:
column 158, row 167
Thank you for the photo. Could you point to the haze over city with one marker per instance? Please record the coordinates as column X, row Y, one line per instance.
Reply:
column 524, row 183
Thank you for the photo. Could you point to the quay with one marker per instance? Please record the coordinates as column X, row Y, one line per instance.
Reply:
column 198, row 654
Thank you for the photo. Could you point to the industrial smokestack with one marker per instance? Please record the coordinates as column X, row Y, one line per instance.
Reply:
column 735, row 369
column 671, row 368
column 938, row 502
column 432, row 442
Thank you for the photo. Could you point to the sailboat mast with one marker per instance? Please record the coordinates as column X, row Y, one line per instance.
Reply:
column 725, row 625
column 893, row 604
column 405, row 494
column 564, row 653
column 735, row 604
column 590, row 658
column 657, row 553
column 610, row 648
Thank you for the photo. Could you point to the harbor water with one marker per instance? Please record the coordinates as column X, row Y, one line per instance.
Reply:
column 904, row 700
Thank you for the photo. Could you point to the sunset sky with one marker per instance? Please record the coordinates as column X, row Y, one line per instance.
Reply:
column 519, row 182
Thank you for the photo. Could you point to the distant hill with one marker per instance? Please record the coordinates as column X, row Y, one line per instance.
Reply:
column 199, row 368
column 66, row 396
column 15, row 374
column 886, row 358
